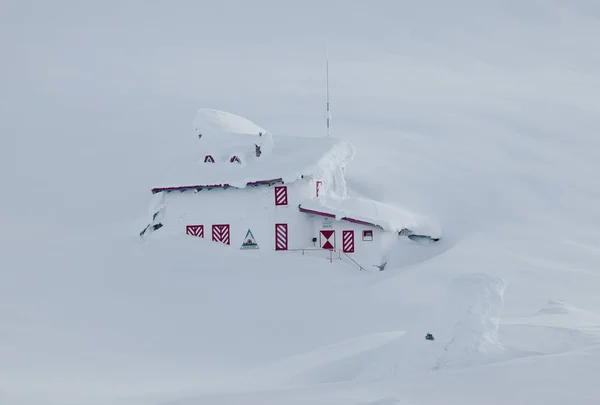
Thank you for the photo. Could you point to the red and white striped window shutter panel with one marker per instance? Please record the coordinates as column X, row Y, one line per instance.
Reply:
column 348, row 241
column 281, row 237
column 281, row 195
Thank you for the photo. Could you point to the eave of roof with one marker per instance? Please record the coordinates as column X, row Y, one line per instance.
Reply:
column 330, row 215
column 211, row 186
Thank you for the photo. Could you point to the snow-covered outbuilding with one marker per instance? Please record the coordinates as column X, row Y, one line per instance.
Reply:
column 245, row 188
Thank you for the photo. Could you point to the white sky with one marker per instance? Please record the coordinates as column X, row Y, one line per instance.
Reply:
column 94, row 93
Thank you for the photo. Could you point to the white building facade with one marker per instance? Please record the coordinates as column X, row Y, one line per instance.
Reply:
column 292, row 196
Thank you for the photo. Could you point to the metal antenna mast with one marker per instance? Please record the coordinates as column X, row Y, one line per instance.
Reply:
column 328, row 112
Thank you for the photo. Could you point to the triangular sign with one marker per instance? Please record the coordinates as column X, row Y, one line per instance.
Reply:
column 249, row 241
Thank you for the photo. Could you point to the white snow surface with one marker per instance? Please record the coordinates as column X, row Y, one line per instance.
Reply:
column 483, row 114
column 213, row 123
column 292, row 157
column 388, row 217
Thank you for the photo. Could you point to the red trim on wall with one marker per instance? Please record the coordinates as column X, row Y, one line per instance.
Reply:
column 323, row 214
column 328, row 215
column 358, row 221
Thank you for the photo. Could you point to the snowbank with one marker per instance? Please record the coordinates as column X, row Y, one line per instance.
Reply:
column 465, row 325
column 471, row 311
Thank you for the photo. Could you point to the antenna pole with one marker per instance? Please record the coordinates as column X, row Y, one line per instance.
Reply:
column 328, row 112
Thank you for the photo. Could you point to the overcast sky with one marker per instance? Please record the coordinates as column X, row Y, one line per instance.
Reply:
column 94, row 93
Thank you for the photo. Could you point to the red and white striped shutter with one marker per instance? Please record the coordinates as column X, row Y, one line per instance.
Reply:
column 281, row 236
column 220, row 233
column 195, row 230
column 281, row 196
column 348, row 241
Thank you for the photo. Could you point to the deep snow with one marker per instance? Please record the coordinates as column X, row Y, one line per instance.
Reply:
column 292, row 157
column 482, row 115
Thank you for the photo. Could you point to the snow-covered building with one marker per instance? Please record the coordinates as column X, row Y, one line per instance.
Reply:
column 243, row 187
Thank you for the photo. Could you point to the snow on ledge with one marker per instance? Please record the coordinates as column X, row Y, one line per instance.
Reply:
column 371, row 212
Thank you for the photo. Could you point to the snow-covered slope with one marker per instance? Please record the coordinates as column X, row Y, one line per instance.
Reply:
column 484, row 116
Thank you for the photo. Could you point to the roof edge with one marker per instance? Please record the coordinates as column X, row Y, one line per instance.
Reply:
column 330, row 215
column 226, row 185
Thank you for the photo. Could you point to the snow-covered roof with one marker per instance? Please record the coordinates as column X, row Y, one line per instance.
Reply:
column 210, row 121
column 225, row 135
column 371, row 212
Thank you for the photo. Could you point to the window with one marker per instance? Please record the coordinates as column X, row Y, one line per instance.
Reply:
column 367, row 235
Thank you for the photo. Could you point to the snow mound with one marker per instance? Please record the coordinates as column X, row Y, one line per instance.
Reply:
column 542, row 340
column 465, row 325
column 406, row 252
column 214, row 122
column 557, row 307
column 556, row 328
column 477, row 300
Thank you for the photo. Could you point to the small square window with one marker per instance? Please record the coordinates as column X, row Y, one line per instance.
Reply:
column 367, row 235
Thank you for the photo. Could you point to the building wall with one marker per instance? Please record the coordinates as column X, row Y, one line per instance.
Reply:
column 366, row 252
column 255, row 208
column 251, row 208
